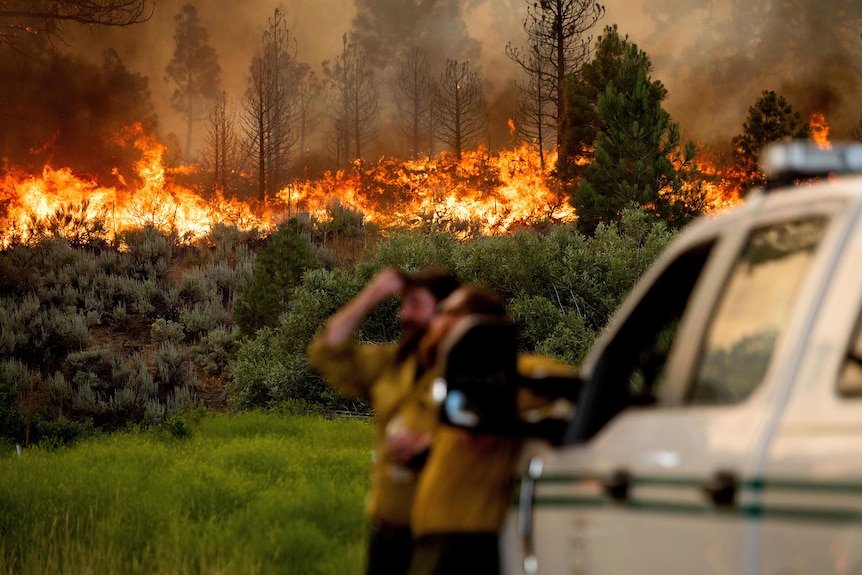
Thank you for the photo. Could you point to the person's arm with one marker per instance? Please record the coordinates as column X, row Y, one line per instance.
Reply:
column 342, row 325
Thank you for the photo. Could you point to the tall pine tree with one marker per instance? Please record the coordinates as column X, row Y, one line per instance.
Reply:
column 771, row 118
column 580, row 121
column 638, row 153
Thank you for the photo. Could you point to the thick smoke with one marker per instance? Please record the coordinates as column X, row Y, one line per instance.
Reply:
column 717, row 57
column 714, row 56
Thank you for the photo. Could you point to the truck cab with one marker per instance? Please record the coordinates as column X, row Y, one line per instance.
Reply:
column 718, row 427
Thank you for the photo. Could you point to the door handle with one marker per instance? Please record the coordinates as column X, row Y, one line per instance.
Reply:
column 525, row 513
column 617, row 485
column 721, row 489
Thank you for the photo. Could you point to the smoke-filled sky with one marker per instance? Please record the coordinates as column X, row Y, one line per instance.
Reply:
column 714, row 56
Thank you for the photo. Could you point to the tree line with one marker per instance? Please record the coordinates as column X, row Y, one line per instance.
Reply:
column 593, row 100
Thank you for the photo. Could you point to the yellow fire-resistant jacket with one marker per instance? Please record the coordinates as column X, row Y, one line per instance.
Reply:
column 370, row 372
column 467, row 482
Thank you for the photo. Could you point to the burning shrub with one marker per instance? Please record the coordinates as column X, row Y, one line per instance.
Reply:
column 78, row 225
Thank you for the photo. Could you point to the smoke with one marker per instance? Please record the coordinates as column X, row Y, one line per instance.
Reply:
column 717, row 57
column 714, row 56
column 235, row 30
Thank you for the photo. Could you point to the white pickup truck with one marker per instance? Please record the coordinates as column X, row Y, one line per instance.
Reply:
column 719, row 426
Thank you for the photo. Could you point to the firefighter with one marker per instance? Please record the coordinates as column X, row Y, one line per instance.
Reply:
column 465, row 488
column 386, row 375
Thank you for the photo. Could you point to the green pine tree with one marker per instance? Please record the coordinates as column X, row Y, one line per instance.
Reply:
column 770, row 119
column 278, row 268
column 580, row 122
column 639, row 159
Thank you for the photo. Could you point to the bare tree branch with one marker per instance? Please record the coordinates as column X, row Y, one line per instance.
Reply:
column 13, row 13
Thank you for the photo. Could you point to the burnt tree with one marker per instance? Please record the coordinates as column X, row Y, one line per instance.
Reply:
column 29, row 18
column 222, row 144
column 194, row 69
column 535, row 118
column 353, row 101
column 416, row 100
column 557, row 46
column 460, row 104
column 268, row 120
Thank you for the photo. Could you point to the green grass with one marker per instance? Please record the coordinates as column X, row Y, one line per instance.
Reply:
column 241, row 494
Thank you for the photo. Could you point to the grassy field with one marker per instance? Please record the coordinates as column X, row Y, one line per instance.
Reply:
column 239, row 494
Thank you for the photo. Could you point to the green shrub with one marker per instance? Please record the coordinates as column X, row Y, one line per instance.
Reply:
column 535, row 317
column 596, row 275
column 204, row 317
column 519, row 265
column 169, row 362
column 267, row 372
column 165, row 330
column 570, row 339
column 411, row 250
column 177, row 427
column 149, row 251
column 224, row 281
column 278, row 268
column 230, row 242
column 61, row 432
column 12, row 420
column 214, row 350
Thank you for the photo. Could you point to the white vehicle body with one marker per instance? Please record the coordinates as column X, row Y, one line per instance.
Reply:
column 748, row 459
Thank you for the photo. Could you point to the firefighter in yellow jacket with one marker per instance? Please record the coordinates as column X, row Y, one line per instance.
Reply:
column 466, row 485
column 387, row 375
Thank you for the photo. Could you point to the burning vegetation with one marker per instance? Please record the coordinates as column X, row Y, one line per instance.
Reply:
column 483, row 193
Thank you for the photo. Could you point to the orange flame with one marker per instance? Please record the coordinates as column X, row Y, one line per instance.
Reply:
column 27, row 201
column 820, row 131
column 496, row 192
column 482, row 193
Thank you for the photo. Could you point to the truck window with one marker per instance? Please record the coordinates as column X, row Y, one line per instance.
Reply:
column 755, row 306
column 631, row 367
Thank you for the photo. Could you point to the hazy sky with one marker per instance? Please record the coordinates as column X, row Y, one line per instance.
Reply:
column 684, row 39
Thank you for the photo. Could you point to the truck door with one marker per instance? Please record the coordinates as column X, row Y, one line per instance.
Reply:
column 669, row 425
column 810, row 504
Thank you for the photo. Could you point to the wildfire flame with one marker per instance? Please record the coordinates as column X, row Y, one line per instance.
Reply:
column 28, row 202
column 482, row 193
column 819, row 131
column 497, row 192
